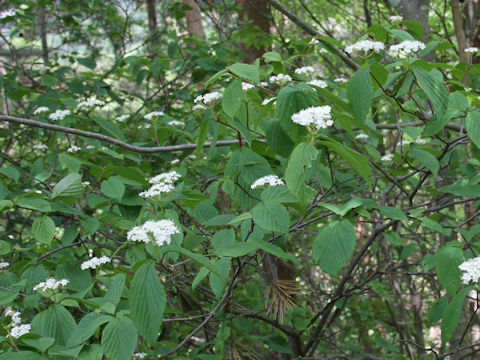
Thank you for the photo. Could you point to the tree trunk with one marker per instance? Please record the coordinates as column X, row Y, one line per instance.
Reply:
column 256, row 11
column 42, row 29
column 459, row 30
column 415, row 10
column 152, row 27
column 194, row 19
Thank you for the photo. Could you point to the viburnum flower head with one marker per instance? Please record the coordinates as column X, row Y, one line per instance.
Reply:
column 365, row 45
column 318, row 83
column 40, row 110
column 19, row 330
column 166, row 178
column 280, row 79
column 406, row 48
column 162, row 183
column 50, row 284
column 160, row 231
column 267, row 101
column 395, row 18
column 208, row 98
column 149, row 116
column 122, row 117
column 90, row 103
column 471, row 50
column 95, row 262
column 15, row 315
column 270, row 180
column 318, row 116
column 306, row 70
column 471, row 270
column 59, row 114
column 4, row 265
column 247, row 86
column 387, row 157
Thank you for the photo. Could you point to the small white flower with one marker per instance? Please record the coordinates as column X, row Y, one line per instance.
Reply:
column 4, row 265
column 405, row 142
column 174, row 161
column 319, row 116
column 421, row 141
column 167, row 178
column 89, row 147
column 59, row 114
column 7, row 13
column 247, row 86
column 23, row 6
column 271, row 180
column 15, row 315
column 157, row 189
column 149, row 116
column 471, row 50
column 90, row 103
column 94, row 262
column 387, row 157
column 264, row 83
column 267, row 101
column 361, row 136
column 280, row 79
column 318, row 83
column 122, row 118
column 340, row 80
column 50, row 283
column 85, row 183
column 211, row 97
column 199, row 107
column 471, row 270
column 40, row 147
column 406, row 48
column 395, row 18
column 306, row 70
column 19, row 330
column 160, row 231
column 176, row 123
column 365, row 45
column 73, row 148
column 162, row 183
column 40, row 110
column 139, row 355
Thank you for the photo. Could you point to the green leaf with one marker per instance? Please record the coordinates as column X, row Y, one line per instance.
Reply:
column 426, row 159
column 223, row 265
column 147, row 299
column 278, row 140
column 87, row 62
column 292, row 99
column 280, row 194
column 115, row 288
column 49, row 80
column 55, row 322
column 447, row 260
column 91, row 352
column 334, row 246
column 245, row 71
column 271, row 216
column 119, row 338
column 68, row 189
column 392, row 213
column 5, row 204
column 356, row 160
column 232, row 98
column 274, row 250
column 223, row 239
column 301, row 159
column 39, row 343
column 34, row 203
column 401, row 34
column 87, row 327
column 438, row 308
column 432, row 84
column 360, row 93
column 342, row 209
column 109, row 127
column 451, row 315
column 43, row 229
column 272, row 57
column 11, row 172
column 113, row 188
column 238, row 249
column 472, row 124
column 196, row 257
column 432, row 224
column 22, row 355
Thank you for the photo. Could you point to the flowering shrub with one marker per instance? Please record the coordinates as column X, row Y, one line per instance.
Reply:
column 133, row 232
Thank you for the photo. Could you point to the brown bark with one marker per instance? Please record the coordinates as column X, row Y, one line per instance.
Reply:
column 194, row 19
column 459, row 32
column 256, row 12
column 152, row 15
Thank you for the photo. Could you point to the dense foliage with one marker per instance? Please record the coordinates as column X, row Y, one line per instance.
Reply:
column 162, row 197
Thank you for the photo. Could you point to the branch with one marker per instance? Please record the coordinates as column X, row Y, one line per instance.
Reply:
column 109, row 139
column 309, row 29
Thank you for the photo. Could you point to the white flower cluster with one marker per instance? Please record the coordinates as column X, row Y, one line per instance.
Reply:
column 59, row 114
column 264, row 83
column 159, row 231
column 395, row 18
column 176, row 123
column 318, row 83
column 406, row 48
column 7, row 13
column 90, row 103
column 208, row 97
column 267, row 101
column 387, row 157
column 122, row 118
column 149, row 116
column 280, row 79
column 18, row 329
column 471, row 270
column 365, row 45
column 85, row 183
column 139, row 355
column 340, row 80
column 361, row 136
column 40, row 147
column 73, row 148
column 471, row 50
column 319, row 116
column 50, row 283
column 162, row 183
column 95, row 262
column 247, row 86
column 271, row 180
column 198, row 107
column 4, row 265
column 40, row 110
column 306, row 70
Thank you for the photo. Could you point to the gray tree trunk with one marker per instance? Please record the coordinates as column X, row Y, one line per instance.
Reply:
column 414, row 10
